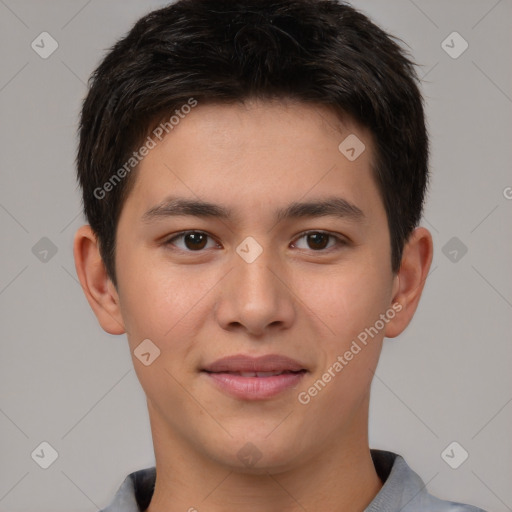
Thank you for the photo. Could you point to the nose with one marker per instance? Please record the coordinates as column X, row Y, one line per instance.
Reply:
column 257, row 297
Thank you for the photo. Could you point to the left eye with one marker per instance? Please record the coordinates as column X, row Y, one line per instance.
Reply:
column 197, row 240
column 318, row 240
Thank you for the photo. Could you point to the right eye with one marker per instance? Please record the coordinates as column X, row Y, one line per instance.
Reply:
column 192, row 241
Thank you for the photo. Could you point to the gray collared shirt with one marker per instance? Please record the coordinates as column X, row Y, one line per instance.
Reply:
column 403, row 490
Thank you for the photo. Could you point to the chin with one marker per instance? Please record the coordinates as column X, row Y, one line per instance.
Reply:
column 258, row 452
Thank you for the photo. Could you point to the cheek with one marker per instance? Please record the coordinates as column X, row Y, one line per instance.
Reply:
column 145, row 298
column 161, row 302
column 348, row 299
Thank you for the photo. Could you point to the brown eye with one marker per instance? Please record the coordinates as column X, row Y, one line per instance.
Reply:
column 191, row 241
column 319, row 240
column 195, row 241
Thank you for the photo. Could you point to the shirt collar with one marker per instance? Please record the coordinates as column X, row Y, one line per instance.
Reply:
column 402, row 490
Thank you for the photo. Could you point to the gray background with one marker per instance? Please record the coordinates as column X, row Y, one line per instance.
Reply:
column 64, row 381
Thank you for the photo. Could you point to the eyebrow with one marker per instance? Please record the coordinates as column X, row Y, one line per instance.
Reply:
column 178, row 206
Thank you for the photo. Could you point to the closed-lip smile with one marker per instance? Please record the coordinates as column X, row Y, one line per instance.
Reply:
column 255, row 378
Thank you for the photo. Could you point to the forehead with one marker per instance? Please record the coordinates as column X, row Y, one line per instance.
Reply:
column 257, row 153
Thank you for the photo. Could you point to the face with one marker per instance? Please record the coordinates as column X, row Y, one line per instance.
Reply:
column 234, row 278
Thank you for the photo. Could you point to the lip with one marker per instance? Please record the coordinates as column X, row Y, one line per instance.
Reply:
column 225, row 374
column 243, row 363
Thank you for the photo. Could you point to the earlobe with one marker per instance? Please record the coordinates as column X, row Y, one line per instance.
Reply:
column 97, row 286
column 410, row 280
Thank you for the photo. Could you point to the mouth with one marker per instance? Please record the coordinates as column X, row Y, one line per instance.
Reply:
column 248, row 378
column 241, row 363
column 258, row 374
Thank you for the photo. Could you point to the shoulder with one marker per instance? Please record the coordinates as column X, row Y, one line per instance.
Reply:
column 430, row 503
column 405, row 491
column 135, row 492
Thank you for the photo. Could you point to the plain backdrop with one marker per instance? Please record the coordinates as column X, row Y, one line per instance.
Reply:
column 65, row 382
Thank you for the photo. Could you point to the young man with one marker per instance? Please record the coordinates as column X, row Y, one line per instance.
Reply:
column 253, row 174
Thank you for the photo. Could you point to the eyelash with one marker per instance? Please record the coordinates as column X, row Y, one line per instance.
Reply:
column 339, row 241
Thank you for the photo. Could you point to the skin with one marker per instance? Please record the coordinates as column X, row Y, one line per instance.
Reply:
column 296, row 299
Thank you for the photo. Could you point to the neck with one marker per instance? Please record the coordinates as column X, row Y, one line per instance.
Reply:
column 340, row 476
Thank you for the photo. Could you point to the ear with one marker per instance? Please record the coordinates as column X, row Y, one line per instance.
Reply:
column 97, row 286
column 410, row 280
